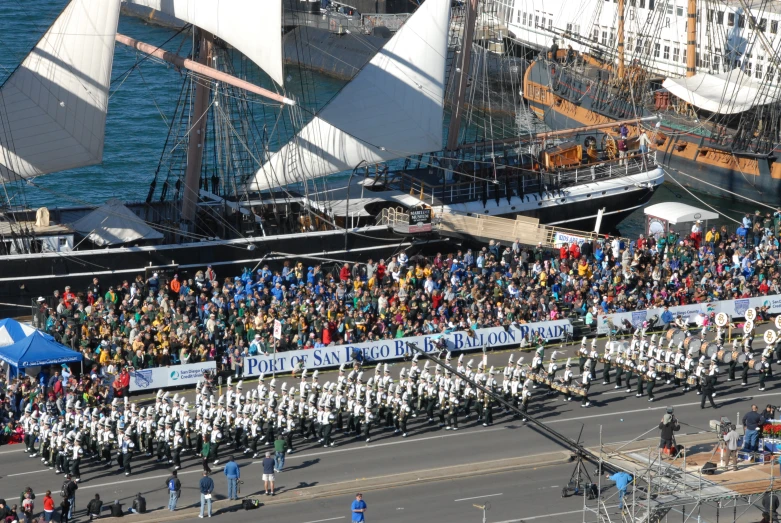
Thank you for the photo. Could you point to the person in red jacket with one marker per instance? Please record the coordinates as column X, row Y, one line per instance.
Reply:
column 175, row 285
column 48, row 506
column 344, row 274
column 68, row 295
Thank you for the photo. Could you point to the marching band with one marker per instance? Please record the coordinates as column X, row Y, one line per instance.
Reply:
column 247, row 421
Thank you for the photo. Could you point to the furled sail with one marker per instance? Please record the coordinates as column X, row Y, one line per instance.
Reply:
column 726, row 93
column 53, row 106
column 392, row 108
column 253, row 27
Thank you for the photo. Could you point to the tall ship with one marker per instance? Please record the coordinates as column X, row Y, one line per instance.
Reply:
column 708, row 70
column 255, row 169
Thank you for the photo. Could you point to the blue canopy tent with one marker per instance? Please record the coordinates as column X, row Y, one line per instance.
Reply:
column 37, row 350
column 12, row 331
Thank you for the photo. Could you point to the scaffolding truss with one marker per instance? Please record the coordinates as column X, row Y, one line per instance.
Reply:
column 674, row 489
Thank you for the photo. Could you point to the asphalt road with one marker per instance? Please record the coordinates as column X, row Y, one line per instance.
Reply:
column 533, row 495
column 530, row 496
column 618, row 416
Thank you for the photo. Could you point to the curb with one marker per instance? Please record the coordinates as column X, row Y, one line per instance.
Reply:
column 380, row 483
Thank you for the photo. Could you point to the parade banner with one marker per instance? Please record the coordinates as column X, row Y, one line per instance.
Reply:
column 173, row 376
column 733, row 308
column 561, row 238
column 383, row 350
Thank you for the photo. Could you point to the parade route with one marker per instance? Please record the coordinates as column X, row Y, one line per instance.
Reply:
column 620, row 417
column 475, row 460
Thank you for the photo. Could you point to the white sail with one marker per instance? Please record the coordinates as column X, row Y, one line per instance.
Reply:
column 253, row 27
column 53, row 106
column 732, row 92
column 392, row 108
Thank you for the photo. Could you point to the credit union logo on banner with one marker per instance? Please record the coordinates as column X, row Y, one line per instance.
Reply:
column 175, row 375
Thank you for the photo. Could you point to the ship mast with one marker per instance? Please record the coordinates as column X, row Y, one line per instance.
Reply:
column 621, row 39
column 691, row 39
column 470, row 19
column 197, row 134
column 201, row 69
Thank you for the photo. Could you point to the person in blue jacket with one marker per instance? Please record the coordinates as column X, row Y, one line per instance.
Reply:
column 622, row 480
column 233, row 474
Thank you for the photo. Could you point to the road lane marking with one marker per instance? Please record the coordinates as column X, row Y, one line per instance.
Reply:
column 386, row 444
column 541, row 516
column 329, row 519
column 11, row 451
column 647, row 409
column 479, row 497
column 24, row 473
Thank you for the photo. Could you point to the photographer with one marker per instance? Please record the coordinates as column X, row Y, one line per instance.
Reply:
column 669, row 425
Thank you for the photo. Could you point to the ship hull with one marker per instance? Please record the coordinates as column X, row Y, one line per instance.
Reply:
column 576, row 208
column 583, row 216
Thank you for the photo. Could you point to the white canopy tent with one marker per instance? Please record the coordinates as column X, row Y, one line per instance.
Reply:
column 114, row 224
column 726, row 93
column 675, row 213
column 661, row 216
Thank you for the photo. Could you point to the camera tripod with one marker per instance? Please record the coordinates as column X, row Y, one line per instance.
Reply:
column 580, row 482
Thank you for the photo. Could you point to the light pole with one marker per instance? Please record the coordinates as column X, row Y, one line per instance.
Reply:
column 347, row 210
column 484, row 508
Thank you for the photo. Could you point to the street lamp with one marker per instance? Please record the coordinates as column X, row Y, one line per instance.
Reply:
column 484, row 508
column 347, row 210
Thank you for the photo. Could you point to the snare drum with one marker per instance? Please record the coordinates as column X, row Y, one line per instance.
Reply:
column 742, row 357
column 669, row 368
column 680, row 374
column 736, row 356
column 692, row 344
column 724, row 356
column 692, row 380
column 577, row 391
column 676, row 336
column 546, row 380
column 755, row 364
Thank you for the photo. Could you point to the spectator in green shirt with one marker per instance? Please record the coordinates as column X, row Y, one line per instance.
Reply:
column 279, row 453
column 205, row 449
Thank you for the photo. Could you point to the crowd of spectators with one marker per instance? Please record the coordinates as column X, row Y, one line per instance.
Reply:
column 157, row 322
